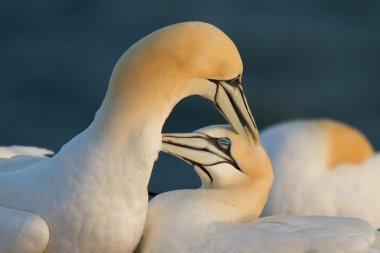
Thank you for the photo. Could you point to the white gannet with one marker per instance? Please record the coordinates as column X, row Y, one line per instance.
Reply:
column 221, row 216
column 322, row 167
column 92, row 195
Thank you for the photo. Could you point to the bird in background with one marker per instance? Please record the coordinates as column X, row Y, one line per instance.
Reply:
column 223, row 214
column 322, row 167
column 11, row 151
column 91, row 196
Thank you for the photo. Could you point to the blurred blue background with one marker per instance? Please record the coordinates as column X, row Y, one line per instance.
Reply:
column 302, row 59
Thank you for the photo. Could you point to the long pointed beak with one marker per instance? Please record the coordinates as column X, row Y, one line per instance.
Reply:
column 232, row 103
column 194, row 148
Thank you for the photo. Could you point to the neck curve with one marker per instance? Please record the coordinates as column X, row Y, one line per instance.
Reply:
column 242, row 203
column 141, row 94
column 204, row 206
column 124, row 140
column 182, row 212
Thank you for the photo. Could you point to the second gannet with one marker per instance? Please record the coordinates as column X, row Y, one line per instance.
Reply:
column 221, row 216
column 92, row 195
column 322, row 167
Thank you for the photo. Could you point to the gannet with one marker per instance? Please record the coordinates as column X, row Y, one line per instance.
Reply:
column 91, row 196
column 221, row 216
column 322, row 167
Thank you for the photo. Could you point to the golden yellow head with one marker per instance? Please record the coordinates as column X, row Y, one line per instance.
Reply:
column 192, row 49
column 346, row 144
column 180, row 60
column 236, row 174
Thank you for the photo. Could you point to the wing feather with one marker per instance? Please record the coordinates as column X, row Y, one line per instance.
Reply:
column 22, row 231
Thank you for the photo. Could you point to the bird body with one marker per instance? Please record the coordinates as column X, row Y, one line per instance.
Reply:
column 25, row 231
column 223, row 215
column 322, row 167
column 92, row 194
column 73, row 193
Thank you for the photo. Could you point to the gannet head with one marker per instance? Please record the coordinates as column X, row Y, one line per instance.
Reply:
column 346, row 143
column 221, row 157
column 317, row 143
column 180, row 60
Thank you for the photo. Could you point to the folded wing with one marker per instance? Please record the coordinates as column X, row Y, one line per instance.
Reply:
column 294, row 234
column 22, row 231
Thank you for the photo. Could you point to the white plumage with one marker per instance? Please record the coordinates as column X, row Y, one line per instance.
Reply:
column 24, row 231
column 322, row 167
column 222, row 215
column 92, row 195
column 8, row 152
column 18, row 157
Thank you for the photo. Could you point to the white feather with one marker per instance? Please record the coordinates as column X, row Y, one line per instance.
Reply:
column 304, row 186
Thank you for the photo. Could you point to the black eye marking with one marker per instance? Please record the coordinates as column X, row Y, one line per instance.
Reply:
column 235, row 81
column 224, row 143
column 201, row 167
column 206, row 172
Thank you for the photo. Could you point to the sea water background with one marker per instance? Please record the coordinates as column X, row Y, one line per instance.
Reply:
column 302, row 59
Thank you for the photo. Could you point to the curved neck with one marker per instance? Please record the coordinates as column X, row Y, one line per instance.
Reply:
column 123, row 141
column 140, row 96
column 242, row 203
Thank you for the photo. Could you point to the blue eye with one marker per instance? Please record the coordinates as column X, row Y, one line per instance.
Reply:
column 224, row 143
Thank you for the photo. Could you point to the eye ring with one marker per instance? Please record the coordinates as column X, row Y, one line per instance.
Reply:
column 224, row 143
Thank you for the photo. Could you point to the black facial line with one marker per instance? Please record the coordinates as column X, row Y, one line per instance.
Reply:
column 240, row 88
column 199, row 149
column 238, row 112
column 246, row 105
column 186, row 146
column 201, row 167
column 217, row 106
column 194, row 163
column 234, row 81
column 206, row 171
column 214, row 142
